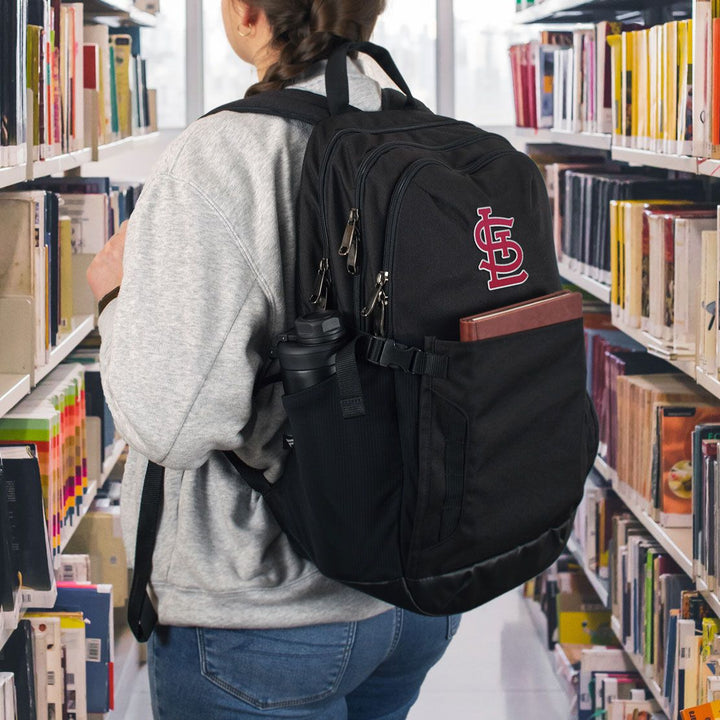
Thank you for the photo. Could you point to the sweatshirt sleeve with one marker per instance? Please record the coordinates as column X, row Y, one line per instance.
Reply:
column 184, row 340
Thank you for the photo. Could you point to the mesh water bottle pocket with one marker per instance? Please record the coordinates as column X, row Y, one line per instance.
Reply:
column 343, row 485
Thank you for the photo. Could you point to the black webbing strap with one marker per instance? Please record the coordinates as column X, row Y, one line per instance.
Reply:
column 348, row 377
column 336, row 75
column 291, row 104
column 142, row 617
column 388, row 353
column 254, row 478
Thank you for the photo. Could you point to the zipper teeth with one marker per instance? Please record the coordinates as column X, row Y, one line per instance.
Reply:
column 410, row 173
column 360, row 177
column 332, row 145
column 365, row 165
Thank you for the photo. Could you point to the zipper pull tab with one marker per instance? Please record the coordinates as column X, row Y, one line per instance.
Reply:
column 349, row 245
column 349, row 234
column 382, row 279
column 381, row 313
column 319, row 296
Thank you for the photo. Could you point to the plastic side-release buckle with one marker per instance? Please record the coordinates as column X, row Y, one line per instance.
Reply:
column 388, row 353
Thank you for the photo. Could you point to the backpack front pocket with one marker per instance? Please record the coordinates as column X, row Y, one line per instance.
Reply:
column 501, row 454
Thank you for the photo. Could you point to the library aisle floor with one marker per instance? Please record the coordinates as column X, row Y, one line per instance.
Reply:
column 495, row 669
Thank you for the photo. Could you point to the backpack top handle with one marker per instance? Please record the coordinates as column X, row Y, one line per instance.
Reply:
column 336, row 77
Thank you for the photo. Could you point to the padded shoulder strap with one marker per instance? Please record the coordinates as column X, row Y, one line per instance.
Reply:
column 289, row 103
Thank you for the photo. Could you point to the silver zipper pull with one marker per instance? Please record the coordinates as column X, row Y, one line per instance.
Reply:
column 382, row 279
column 381, row 313
column 349, row 245
column 349, row 234
column 319, row 296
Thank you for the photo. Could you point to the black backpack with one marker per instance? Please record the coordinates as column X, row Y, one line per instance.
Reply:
column 431, row 473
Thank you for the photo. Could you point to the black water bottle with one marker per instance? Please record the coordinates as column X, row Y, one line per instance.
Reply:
column 307, row 353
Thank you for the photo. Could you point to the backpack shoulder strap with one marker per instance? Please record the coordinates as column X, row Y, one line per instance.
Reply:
column 289, row 103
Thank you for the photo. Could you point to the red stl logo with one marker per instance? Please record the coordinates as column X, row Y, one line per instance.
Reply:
column 504, row 256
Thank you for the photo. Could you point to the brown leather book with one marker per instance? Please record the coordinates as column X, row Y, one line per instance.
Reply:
column 539, row 312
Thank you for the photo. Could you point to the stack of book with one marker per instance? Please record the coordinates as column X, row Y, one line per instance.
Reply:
column 52, row 230
column 26, row 572
column 654, row 454
column 60, row 659
column 662, row 618
column 588, row 222
column 54, row 419
column 87, row 83
column 652, row 88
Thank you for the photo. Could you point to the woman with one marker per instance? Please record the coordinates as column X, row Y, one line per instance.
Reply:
column 206, row 268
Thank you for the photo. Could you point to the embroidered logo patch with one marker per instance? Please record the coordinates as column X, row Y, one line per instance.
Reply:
column 504, row 256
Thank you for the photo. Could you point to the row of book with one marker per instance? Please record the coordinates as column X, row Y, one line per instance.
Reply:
column 611, row 687
column 653, row 241
column 67, row 420
column 52, row 228
column 88, row 83
column 59, row 662
column 653, row 88
column 653, row 420
column 648, row 87
column 26, row 571
column 600, row 678
column 660, row 622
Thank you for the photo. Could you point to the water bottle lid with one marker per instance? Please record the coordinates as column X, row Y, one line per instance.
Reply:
column 319, row 327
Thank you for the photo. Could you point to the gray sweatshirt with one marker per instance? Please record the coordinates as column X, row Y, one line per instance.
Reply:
column 208, row 283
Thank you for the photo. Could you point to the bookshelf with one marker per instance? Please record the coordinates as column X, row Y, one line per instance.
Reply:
column 600, row 586
column 575, row 11
column 82, row 327
column 642, row 669
column 69, row 530
column 677, row 542
column 14, row 387
column 595, row 141
column 575, row 276
column 117, row 12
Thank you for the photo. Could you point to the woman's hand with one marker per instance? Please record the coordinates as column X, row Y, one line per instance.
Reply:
column 106, row 270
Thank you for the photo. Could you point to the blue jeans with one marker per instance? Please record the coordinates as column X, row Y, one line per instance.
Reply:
column 367, row 670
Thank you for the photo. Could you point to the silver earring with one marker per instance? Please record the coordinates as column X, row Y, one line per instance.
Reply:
column 244, row 35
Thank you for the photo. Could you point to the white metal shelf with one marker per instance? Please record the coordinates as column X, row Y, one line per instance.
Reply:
column 549, row 9
column 112, row 459
column 643, row 669
column 597, row 141
column 69, row 530
column 12, row 175
column 72, row 161
column 61, row 163
column 594, row 287
column 711, row 384
column 122, row 10
column 709, row 167
column 119, row 147
column 601, row 587
column 82, row 326
column 633, row 156
column 682, row 163
column 13, row 388
column 677, row 541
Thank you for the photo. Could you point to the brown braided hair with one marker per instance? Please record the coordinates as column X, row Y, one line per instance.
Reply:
column 306, row 31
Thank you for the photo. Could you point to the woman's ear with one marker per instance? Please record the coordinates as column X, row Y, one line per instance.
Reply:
column 246, row 14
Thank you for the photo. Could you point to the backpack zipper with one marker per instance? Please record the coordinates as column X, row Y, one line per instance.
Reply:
column 353, row 230
column 381, row 297
column 323, row 277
